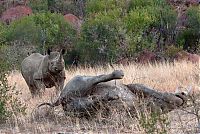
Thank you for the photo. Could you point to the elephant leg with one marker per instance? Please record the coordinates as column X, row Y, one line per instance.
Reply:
column 94, row 80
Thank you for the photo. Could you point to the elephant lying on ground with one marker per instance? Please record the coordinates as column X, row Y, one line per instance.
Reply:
column 85, row 95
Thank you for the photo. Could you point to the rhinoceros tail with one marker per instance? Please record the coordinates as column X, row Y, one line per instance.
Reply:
column 46, row 103
column 57, row 103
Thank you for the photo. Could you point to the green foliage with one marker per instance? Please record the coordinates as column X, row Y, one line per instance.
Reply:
column 54, row 30
column 189, row 38
column 149, row 22
column 194, row 18
column 2, row 33
column 42, row 30
column 97, row 6
column 171, row 51
column 62, row 6
column 9, row 104
column 101, row 37
column 124, row 27
column 23, row 30
column 39, row 5
column 154, row 122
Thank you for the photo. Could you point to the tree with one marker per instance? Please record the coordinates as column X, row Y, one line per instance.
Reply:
column 189, row 37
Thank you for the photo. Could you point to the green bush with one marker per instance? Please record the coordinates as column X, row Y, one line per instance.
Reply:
column 100, row 38
column 116, row 29
column 39, row 5
column 42, row 30
column 154, row 123
column 99, row 6
column 171, row 51
column 150, row 24
column 2, row 33
column 54, row 30
column 24, row 30
column 9, row 104
column 189, row 38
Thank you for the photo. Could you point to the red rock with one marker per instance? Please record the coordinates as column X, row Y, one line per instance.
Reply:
column 14, row 13
column 123, row 61
column 74, row 21
column 185, row 56
column 146, row 57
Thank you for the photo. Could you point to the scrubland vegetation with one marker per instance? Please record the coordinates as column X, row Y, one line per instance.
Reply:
column 110, row 30
column 162, row 77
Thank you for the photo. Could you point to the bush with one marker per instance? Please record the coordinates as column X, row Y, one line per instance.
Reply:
column 42, row 30
column 171, row 52
column 39, row 5
column 115, row 29
column 24, row 30
column 9, row 104
column 54, row 30
column 154, row 123
column 150, row 24
column 100, row 38
column 189, row 38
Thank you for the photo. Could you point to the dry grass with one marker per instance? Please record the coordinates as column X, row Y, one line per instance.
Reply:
column 164, row 77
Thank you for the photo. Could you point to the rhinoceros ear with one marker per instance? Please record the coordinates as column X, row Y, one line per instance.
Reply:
column 62, row 51
column 48, row 51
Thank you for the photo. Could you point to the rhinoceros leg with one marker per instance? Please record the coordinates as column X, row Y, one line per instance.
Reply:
column 59, row 85
column 34, row 91
column 39, row 86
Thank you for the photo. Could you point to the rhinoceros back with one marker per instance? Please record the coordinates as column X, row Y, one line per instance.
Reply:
column 30, row 65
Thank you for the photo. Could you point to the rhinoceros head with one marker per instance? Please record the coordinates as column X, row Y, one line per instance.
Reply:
column 55, row 61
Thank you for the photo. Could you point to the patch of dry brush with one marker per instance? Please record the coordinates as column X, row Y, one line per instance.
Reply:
column 164, row 77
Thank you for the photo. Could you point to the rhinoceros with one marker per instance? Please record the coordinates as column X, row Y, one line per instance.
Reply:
column 44, row 71
column 84, row 96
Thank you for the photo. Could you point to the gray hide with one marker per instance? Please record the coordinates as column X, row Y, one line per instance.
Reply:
column 84, row 96
column 44, row 71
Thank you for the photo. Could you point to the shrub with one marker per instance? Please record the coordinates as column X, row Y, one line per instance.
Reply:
column 122, row 28
column 154, row 122
column 189, row 38
column 9, row 104
column 24, row 30
column 100, row 38
column 54, row 30
column 42, row 30
column 39, row 5
column 171, row 51
column 2, row 33
column 150, row 24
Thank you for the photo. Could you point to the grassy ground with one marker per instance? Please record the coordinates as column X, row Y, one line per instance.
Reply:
column 163, row 77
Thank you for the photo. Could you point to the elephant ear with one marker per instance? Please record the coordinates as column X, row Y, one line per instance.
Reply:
column 178, row 89
column 188, row 90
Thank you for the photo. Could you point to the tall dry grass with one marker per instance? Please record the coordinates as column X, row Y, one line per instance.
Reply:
column 164, row 77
